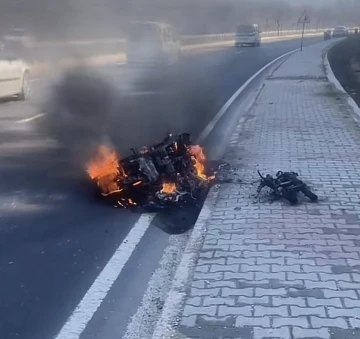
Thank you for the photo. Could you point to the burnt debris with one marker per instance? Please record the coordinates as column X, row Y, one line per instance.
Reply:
column 154, row 177
column 285, row 185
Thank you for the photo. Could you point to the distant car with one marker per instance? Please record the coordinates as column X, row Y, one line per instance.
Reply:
column 152, row 43
column 14, row 75
column 247, row 35
column 340, row 32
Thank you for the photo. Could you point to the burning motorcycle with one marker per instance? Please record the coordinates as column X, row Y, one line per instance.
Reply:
column 286, row 185
column 157, row 176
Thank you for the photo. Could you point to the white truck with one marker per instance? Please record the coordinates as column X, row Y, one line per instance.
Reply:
column 152, row 43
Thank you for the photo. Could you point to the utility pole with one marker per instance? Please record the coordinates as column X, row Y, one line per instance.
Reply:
column 302, row 37
column 304, row 20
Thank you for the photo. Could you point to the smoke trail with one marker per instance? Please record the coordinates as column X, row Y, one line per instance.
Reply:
column 78, row 109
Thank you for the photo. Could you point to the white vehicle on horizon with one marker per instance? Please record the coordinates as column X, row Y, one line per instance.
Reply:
column 340, row 32
column 14, row 75
column 247, row 35
column 152, row 43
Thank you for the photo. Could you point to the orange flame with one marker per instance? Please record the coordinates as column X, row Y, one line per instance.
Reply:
column 197, row 154
column 168, row 188
column 105, row 169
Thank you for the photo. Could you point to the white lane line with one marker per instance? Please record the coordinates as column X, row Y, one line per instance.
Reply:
column 93, row 298
column 239, row 52
column 207, row 130
column 31, row 118
column 165, row 328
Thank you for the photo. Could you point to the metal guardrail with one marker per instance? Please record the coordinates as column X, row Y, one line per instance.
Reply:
column 185, row 39
column 59, row 50
column 60, row 58
column 230, row 36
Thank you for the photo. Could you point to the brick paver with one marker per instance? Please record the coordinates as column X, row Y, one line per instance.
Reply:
column 274, row 270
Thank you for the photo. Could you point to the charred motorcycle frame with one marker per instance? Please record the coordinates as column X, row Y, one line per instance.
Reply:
column 159, row 175
column 286, row 185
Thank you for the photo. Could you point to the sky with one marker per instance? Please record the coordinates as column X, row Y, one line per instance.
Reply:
column 104, row 17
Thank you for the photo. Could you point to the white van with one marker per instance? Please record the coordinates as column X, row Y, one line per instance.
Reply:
column 247, row 35
column 152, row 43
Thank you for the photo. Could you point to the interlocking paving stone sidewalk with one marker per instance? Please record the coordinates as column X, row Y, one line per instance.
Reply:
column 275, row 270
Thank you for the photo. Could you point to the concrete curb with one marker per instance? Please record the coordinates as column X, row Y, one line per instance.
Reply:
column 335, row 82
column 171, row 314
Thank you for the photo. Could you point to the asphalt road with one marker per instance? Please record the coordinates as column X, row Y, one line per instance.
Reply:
column 55, row 237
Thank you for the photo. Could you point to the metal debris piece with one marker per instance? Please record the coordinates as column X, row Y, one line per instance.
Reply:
column 285, row 185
